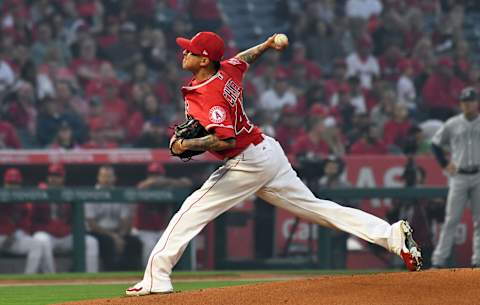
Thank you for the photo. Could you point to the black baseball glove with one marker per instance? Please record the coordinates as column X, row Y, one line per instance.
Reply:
column 190, row 129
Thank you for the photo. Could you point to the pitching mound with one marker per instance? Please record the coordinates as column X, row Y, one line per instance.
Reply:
column 436, row 287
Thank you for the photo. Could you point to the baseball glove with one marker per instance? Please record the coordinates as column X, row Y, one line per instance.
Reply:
column 190, row 129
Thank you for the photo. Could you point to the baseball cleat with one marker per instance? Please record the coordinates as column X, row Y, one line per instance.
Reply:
column 140, row 289
column 410, row 252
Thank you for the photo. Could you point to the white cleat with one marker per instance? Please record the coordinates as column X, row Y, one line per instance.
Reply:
column 141, row 289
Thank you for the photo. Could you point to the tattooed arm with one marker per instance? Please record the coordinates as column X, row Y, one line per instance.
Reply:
column 210, row 142
column 253, row 53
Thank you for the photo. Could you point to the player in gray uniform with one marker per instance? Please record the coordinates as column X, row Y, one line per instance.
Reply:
column 461, row 134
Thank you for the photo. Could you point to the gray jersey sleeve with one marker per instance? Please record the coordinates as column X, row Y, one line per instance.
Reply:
column 442, row 136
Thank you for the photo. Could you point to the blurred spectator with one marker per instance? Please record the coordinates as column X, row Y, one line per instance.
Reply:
column 383, row 111
column 289, row 128
column 363, row 8
column 154, row 50
column 396, row 129
column 343, row 111
column 205, row 14
column 406, row 92
column 389, row 63
column 86, row 67
column 46, row 43
column 338, row 78
column 357, row 98
column 151, row 219
column 126, row 51
column 362, row 63
column 115, row 111
column 22, row 112
column 8, row 136
column 51, row 224
column 15, row 224
column 63, row 138
column 111, row 224
column 7, row 77
column 50, row 120
column 322, row 45
column 68, row 101
column 274, row 99
column 441, row 90
column 369, row 143
column 311, row 146
column 154, row 135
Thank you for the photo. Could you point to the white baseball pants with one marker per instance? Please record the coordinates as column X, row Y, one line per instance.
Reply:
column 21, row 243
column 462, row 189
column 262, row 170
column 63, row 245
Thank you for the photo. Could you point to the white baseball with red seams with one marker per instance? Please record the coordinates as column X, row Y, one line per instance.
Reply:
column 256, row 166
column 281, row 40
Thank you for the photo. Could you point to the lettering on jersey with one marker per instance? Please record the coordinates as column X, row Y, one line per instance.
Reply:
column 217, row 114
column 231, row 92
column 234, row 61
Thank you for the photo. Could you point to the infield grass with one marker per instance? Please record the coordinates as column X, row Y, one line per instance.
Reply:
column 27, row 293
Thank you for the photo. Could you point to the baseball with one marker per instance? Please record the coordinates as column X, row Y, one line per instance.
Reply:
column 281, row 40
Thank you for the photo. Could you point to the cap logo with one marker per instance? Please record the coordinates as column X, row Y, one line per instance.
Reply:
column 217, row 114
column 204, row 52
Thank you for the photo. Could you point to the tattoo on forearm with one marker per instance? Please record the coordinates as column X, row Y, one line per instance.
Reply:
column 252, row 54
column 210, row 142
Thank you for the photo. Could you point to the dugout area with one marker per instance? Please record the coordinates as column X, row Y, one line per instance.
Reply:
column 436, row 287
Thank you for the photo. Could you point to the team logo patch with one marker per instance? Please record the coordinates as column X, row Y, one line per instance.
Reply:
column 217, row 114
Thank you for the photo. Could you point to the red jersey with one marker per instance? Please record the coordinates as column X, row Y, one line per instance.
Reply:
column 218, row 104
column 15, row 216
column 152, row 217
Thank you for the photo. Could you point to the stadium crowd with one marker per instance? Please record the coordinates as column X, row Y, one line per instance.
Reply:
column 360, row 77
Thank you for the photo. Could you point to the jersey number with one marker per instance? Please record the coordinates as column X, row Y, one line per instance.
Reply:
column 241, row 120
column 233, row 94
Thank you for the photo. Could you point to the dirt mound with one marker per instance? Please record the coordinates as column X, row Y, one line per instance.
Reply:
column 436, row 287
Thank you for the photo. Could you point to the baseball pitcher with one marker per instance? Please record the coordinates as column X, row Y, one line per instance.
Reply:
column 253, row 164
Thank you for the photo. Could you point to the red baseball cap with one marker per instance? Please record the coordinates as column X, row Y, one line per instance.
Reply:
column 156, row 168
column 206, row 44
column 12, row 175
column 56, row 169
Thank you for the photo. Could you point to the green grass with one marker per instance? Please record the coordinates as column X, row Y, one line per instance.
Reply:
column 42, row 295
column 50, row 294
column 181, row 274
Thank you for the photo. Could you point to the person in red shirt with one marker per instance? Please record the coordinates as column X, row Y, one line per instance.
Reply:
column 151, row 219
column 311, row 146
column 289, row 128
column 441, row 90
column 369, row 143
column 395, row 130
column 254, row 164
column 8, row 136
column 115, row 112
column 15, row 225
column 339, row 78
column 51, row 224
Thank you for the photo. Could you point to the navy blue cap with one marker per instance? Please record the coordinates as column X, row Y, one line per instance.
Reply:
column 468, row 94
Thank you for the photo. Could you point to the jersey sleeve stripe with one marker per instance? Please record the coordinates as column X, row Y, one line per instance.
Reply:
column 218, row 125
